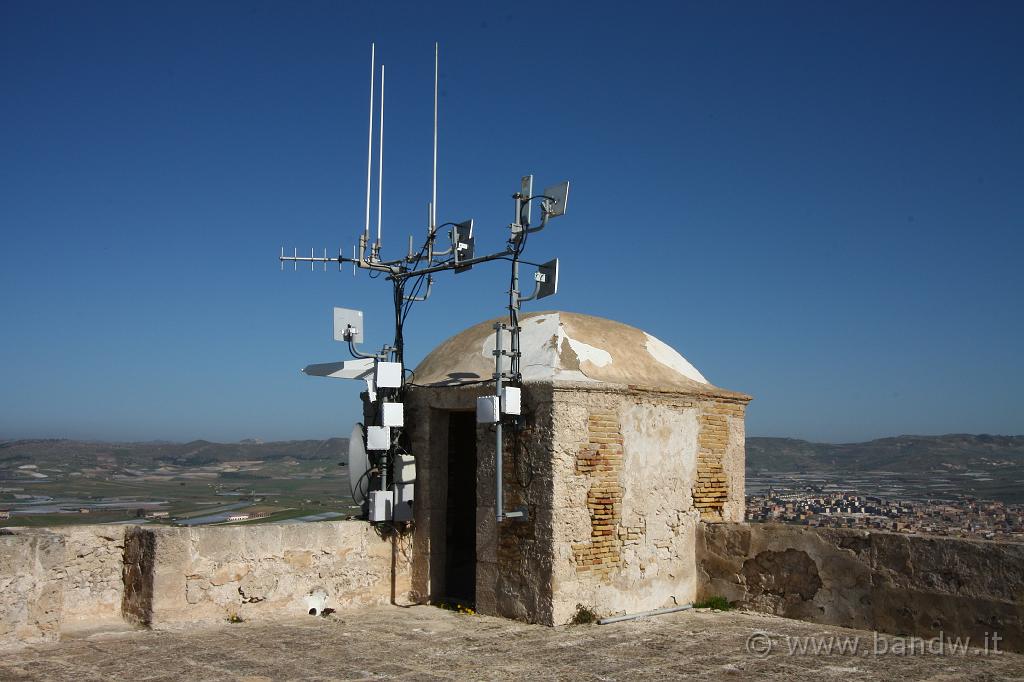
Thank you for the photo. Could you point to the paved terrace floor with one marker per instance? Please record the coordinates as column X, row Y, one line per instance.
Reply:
column 426, row 643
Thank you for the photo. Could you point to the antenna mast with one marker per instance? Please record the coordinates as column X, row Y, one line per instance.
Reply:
column 383, row 371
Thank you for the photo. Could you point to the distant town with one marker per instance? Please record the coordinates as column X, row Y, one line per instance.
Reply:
column 964, row 517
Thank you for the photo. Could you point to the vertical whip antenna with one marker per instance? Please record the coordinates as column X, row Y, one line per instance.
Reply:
column 380, row 158
column 433, row 197
column 369, row 144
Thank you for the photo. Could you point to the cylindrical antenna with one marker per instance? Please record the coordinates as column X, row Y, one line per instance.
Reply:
column 369, row 145
column 433, row 196
column 380, row 158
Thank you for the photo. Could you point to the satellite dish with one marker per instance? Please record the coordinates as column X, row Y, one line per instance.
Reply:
column 358, row 464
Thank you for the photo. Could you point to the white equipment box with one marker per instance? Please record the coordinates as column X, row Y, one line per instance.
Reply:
column 487, row 410
column 381, row 502
column 394, row 415
column 511, row 400
column 389, row 375
column 378, row 438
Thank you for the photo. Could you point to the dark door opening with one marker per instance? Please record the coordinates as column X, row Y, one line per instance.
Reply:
column 460, row 544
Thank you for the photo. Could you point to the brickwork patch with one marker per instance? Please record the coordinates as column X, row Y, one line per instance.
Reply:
column 600, row 459
column 712, row 489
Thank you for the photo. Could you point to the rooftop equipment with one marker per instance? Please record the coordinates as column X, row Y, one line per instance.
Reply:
column 375, row 448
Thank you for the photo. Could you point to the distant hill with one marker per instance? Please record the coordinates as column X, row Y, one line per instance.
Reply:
column 909, row 454
column 43, row 452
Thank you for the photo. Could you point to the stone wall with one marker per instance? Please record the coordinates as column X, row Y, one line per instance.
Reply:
column 889, row 582
column 31, row 595
column 57, row 580
column 54, row 580
column 92, row 582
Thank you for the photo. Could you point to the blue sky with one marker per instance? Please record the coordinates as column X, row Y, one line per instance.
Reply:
column 817, row 203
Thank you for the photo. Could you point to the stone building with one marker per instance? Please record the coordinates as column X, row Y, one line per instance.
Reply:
column 623, row 449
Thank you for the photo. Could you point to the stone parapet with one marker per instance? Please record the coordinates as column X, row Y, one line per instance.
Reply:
column 888, row 582
column 53, row 581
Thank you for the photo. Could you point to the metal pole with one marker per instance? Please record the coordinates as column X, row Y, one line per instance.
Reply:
column 499, row 502
column 644, row 614
column 514, row 309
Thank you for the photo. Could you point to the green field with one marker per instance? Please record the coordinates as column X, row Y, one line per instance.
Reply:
column 290, row 480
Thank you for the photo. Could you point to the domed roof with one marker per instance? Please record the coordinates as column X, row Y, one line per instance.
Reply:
column 561, row 346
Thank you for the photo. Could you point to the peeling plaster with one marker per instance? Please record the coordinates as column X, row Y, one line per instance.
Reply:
column 588, row 353
column 668, row 356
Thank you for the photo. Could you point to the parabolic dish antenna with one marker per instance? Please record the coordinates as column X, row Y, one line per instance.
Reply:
column 358, row 464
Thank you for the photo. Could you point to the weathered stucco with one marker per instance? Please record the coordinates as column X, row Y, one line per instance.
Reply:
column 649, row 560
column 894, row 583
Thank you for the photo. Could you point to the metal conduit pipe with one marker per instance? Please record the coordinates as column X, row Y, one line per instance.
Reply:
column 644, row 614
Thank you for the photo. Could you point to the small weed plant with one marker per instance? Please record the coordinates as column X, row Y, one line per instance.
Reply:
column 717, row 602
column 584, row 615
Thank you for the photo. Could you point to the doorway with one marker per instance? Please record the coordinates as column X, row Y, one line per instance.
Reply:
column 460, row 519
